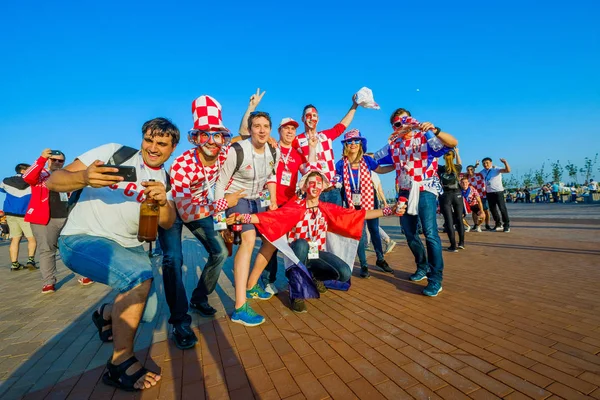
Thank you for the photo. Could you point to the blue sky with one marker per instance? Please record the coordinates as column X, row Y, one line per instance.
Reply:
column 511, row 79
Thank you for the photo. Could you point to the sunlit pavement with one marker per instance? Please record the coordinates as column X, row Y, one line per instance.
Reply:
column 518, row 317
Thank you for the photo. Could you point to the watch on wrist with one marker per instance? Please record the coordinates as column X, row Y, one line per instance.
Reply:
column 437, row 131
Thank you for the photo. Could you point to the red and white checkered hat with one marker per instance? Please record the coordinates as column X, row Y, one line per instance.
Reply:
column 313, row 168
column 207, row 114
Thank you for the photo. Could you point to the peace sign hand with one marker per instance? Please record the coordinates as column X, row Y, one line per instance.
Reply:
column 256, row 98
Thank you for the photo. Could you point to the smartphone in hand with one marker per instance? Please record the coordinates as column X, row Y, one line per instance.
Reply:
column 128, row 173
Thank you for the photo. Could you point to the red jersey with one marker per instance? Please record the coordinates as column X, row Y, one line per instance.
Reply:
column 290, row 162
column 325, row 156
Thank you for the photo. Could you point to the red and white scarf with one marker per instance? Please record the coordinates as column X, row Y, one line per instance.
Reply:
column 367, row 201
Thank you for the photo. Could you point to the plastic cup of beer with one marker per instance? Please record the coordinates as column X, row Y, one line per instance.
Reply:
column 401, row 203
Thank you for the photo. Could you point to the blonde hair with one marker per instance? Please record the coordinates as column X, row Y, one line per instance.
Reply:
column 359, row 156
column 450, row 166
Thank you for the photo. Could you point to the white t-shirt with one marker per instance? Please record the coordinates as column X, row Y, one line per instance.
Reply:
column 493, row 179
column 112, row 212
column 254, row 173
column 376, row 181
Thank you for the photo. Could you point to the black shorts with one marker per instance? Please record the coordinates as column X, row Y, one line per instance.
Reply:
column 475, row 209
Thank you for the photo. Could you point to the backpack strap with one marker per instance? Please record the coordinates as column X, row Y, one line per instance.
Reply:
column 167, row 180
column 274, row 155
column 123, row 154
column 239, row 153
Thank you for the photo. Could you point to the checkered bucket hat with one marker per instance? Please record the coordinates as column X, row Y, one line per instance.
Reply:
column 207, row 114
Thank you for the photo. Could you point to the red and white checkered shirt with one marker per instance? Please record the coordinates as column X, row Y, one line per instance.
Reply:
column 325, row 157
column 191, row 183
column 471, row 199
column 411, row 159
column 313, row 227
column 478, row 183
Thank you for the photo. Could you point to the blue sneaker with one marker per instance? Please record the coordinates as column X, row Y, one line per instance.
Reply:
column 432, row 289
column 258, row 293
column 245, row 315
column 418, row 276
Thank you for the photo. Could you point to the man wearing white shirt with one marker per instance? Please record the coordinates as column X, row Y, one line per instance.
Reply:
column 495, row 192
column 100, row 240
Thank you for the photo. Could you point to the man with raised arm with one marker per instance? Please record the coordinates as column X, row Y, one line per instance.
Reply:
column 325, row 156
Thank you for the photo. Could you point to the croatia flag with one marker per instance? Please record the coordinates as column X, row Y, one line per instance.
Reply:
column 344, row 230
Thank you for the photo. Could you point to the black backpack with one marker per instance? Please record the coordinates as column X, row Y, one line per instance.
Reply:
column 123, row 154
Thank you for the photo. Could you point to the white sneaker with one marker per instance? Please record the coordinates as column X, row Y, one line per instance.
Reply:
column 390, row 246
column 467, row 229
column 271, row 288
column 478, row 229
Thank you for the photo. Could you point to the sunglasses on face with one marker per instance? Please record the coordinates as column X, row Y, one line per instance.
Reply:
column 404, row 121
column 203, row 137
column 57, row 160
column 355, row 141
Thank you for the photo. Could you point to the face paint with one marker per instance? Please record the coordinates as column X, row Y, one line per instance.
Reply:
column 311, row 117
column 314, row 186
column 210, row 150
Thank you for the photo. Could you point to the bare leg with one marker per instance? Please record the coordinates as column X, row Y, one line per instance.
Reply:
column 14, row 249
column 262, row 259
column 31, row 245
column 241, row 266
column 127, row 311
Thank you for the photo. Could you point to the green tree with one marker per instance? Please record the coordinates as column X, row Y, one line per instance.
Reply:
column 588, row 167
column 510, row 183
column 540, row 176
column 557, row 171
column 572, row 171
column 528, row 179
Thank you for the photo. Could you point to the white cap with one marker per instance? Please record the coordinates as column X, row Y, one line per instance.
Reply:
column 288, row 121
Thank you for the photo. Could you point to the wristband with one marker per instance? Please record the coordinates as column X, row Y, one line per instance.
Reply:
column 437, row 131
column 387, row 211
column 246, row 218
column 221, row 205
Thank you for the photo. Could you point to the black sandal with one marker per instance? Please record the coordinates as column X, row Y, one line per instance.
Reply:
column 100, row 323
column 117, row 377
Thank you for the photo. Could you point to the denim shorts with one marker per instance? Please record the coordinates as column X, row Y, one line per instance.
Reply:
column 105, row 261
column 245, row 206
column 485, row 203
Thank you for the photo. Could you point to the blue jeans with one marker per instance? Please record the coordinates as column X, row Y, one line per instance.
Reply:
column 170, row 242
column 333, row 196
column 373, row 226
column 431, row 261
column 327, row 267
column 106, row 261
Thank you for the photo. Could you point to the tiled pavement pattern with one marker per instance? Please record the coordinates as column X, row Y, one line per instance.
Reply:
column 519, row 317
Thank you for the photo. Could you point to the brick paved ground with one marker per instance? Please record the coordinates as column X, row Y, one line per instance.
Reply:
column 519, row 317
